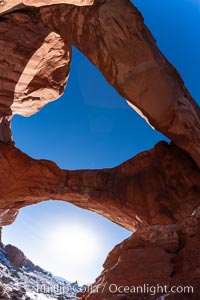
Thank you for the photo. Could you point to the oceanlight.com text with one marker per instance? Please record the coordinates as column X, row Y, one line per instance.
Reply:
column 150, row 289
column 71, row 290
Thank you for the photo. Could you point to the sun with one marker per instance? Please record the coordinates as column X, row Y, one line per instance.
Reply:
column 75, row 243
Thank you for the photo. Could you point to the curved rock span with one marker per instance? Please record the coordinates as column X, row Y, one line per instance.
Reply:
column 155, row 193
column 113, row 36
column 159, row 186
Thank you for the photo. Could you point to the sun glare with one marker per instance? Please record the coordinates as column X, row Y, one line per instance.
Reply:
column 70, row 245
column 75, row 243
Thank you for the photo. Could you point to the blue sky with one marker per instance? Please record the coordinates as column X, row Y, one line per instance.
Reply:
column 91, row 126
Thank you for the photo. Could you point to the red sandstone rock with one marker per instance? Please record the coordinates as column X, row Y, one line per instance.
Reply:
column 157, row 255
column 159, row 186
column 113, row 36
column 7, row 216
column 8, row 6
column 124, row 50
column 34, row 67
column 15, row 256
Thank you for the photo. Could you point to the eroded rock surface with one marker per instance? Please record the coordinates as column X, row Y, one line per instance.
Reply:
column 7, row 216
column 154, row 256
column 15, row 256
column 159, row 186
column 34, row 67
column 8, row 6
column 113, row 36
column 156, row 192
column 21, row 279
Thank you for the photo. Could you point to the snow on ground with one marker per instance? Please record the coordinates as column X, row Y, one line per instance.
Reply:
column 24, row 284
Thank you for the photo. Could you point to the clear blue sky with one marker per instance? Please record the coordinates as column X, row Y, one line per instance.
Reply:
column 91, row 126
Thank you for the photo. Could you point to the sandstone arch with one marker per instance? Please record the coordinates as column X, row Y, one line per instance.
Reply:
column 113, row 36
column 159, row 186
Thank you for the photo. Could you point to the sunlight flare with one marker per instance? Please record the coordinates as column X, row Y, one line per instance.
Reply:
column 75, row 243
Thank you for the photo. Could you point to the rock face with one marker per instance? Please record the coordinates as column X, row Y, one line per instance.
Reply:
column 159, row 186
column 164, row 256
column 15, row 256
column 106, row 32
column 8, row 6
column 18, row 259
column 37, row 72
column 20, row 279
column 7, row 216
column 157, row 192
column 126, row 53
